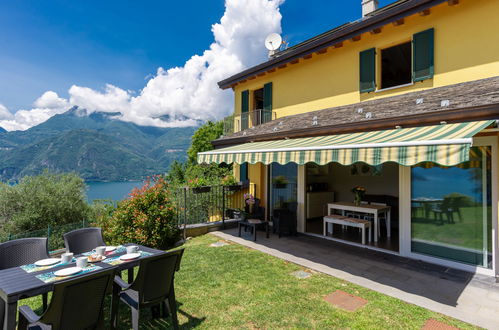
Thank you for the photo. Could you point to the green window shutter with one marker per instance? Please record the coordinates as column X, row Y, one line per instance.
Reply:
column 245, row 101
column 368, row 70
column 423, row 55
column 244, row 109
column 243, row 172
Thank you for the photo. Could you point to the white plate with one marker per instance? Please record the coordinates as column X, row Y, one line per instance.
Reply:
column 130, row 256
column 67, row 271
column 47, row 262
column 110, row 248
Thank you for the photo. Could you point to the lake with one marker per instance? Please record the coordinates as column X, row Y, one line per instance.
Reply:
column 115, row 191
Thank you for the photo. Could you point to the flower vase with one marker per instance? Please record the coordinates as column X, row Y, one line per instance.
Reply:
column 357, row 199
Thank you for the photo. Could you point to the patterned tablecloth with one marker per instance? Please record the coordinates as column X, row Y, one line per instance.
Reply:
column 50, row 276
column 116, row 259
column 31, row 268
column 119, row 249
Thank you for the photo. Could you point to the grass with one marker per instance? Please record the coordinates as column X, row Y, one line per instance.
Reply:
column 235, row 287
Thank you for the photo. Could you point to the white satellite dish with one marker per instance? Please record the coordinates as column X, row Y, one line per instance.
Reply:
column 273, row 42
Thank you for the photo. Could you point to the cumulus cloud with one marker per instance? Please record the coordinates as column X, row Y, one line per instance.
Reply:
column 179, row 96
column 46, row 106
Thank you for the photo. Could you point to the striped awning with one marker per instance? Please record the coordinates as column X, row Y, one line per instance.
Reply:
column 446, row 144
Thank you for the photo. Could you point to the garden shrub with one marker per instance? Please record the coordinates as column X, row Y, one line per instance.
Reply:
column 146, row 217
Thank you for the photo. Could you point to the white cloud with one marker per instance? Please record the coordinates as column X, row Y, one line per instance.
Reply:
column 5, row 113
column 46, row 106
column 179, row 96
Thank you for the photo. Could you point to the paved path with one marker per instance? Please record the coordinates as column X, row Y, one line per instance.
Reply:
column 462, row 295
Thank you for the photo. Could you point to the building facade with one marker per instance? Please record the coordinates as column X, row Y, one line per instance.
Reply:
column 403, row 103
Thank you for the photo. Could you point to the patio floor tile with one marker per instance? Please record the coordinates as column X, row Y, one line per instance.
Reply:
column 346, row 301
column 433, row 324
column 219, row 244
column 301, row 274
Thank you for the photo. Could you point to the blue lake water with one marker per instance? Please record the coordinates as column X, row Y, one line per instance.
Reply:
column 114, row 191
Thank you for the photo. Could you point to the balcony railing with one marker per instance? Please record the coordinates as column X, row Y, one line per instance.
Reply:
column 236, row 123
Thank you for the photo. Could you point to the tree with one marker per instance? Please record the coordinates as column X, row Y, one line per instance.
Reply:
column 42, row 200
column 201, row 140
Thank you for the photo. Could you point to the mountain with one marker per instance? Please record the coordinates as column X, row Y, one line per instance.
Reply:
column 96, row 146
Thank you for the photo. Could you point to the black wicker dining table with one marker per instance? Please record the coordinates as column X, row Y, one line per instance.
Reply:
column 16, row 283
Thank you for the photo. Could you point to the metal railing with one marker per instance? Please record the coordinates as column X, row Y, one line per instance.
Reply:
column 53, row 233
column 210, row 203
column 236, row 123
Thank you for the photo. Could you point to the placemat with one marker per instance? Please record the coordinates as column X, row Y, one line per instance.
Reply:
column 31, row 268
column 119, row 249
column 116, row 259
column 50, row 277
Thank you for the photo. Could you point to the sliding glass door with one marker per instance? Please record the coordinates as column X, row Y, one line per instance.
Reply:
column 283, row 187
column 451, row 210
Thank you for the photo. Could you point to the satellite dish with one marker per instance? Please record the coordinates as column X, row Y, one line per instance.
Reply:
column 273, row 42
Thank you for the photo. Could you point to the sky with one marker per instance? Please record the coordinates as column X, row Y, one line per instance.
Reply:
column 153, row 62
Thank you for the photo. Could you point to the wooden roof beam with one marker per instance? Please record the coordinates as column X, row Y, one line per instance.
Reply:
column 338, row 45
column 399, row 22
column 425, row 12
column 453, row 2
column 356, row 38
column 307, row 57
column 376, row 31
column 322, row 51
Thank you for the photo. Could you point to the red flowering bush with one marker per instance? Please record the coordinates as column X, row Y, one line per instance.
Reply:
column 147, row 217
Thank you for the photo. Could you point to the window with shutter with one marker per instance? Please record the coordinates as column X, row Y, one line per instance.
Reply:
column 423, row 55
column 243, row 172
column 368, row 70
column 244, row 109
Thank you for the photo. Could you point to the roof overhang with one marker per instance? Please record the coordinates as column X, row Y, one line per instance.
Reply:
column 465, row 114
column 336, row 36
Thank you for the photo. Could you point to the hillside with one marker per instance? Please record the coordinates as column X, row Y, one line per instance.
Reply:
column 95, row 146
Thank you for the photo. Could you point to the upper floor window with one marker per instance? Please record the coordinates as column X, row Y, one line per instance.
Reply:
column 396, row 65
column 260, row 105
column 400, row 65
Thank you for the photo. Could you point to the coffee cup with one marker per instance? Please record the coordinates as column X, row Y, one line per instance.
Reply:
column 66, row 257
column 132, row 249
column 81, row 262
column 100, row 250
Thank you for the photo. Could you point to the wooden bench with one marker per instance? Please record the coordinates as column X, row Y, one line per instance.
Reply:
column 346, row 221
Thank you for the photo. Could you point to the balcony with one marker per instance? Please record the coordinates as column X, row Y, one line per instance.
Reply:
column 238, row 122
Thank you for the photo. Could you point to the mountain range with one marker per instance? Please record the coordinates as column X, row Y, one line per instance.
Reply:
column 94, row 145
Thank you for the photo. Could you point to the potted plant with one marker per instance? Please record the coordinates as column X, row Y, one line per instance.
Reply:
column 249, row 200
column 199, row 185
column 280, row 182
column 358, row 192
column 230, row 183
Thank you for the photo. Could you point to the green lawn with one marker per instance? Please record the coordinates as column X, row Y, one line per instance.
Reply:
column 235, row 287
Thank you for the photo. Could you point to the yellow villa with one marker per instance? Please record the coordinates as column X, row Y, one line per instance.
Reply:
column 379, row 133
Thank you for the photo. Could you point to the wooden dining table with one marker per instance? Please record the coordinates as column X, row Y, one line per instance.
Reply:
column 375, row 210
column 17, row 284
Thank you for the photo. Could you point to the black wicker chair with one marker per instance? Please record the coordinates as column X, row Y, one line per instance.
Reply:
column 83, row 240
column 152, row 287
column 20, row 252
column 284, row 222
column 76, row 304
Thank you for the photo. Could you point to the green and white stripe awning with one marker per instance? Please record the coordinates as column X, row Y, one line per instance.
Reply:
column 447, row 144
